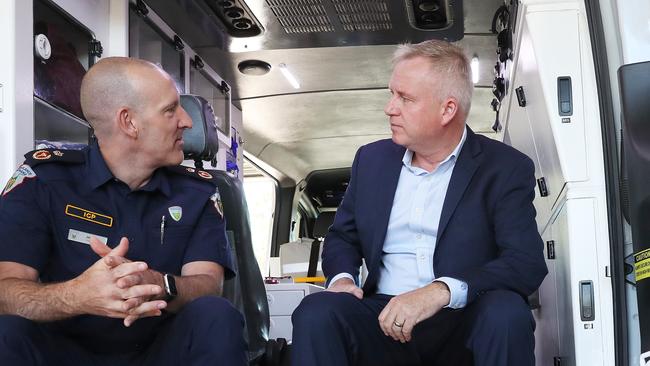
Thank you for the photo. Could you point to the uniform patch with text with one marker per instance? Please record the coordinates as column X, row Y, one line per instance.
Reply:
column 88, row 215
column 23, row 172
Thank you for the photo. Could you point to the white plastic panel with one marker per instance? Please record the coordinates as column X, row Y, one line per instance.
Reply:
column 16, row 77
column 521, row 137
column 118, row 40
column 634, row 23
column 283, row 298
column 283, row 302
column 581, row 230
column 546, row 333
column 94, row 14
column 281, row 327
column 553, row 41
column 528, row 76
column 558, row 54
column 563, row 280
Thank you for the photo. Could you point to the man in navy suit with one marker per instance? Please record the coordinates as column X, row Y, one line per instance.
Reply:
column 445, row 223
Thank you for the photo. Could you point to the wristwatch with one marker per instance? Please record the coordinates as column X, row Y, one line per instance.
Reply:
column 170, row 287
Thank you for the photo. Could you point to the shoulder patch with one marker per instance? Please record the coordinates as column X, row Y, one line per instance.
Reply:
column 192, row 172
column 216, row 199
column 40, row 156
column 23, row 172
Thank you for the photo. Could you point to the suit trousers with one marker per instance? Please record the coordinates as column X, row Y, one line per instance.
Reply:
column 337, row 329
column 207, row 331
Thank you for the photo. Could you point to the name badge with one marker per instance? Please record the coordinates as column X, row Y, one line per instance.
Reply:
column 84, row 238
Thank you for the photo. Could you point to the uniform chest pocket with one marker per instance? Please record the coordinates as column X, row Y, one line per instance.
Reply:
column 166, row 247
column 174, row 235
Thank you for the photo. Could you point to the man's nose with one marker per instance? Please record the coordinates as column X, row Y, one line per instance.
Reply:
column 390, row 109
column 185, row 120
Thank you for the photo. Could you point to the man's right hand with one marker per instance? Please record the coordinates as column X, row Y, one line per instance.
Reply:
column 97, row 291
column 346, row 285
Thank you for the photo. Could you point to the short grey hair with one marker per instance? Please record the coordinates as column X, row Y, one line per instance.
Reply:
column 450, row 65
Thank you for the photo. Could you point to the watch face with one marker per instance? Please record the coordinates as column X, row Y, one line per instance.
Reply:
column 170, row 285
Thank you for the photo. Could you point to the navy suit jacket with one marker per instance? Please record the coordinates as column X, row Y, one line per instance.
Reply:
column 487, row 235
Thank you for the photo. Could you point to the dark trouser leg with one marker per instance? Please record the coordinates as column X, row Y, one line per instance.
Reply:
column 207, row 331
column 339, row 329
column 497, row 329
column 24, row 342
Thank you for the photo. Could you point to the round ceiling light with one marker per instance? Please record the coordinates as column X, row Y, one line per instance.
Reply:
column 253, row 67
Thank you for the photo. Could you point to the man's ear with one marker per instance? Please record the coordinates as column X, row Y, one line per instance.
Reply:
column 449, row 110
column 126, row 124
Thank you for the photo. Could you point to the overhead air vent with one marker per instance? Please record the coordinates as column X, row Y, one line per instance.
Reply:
column 311, row 16
column 359, row 15
column 429, row 14
column 236, row 17
column 301, row 16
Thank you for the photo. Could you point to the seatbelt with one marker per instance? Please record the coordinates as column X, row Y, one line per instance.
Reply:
column 313, row 258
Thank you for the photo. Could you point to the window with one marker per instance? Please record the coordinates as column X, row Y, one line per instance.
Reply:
column 260, row 191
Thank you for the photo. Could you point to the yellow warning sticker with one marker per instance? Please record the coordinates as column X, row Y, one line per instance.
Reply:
column 642, row 265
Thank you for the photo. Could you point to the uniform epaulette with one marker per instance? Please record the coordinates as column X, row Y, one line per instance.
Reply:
column 193, row 172
column 36, row 157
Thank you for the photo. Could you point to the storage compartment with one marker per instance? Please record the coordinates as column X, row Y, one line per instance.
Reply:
column 148, row 42
column 63, row 51
column 201, row 83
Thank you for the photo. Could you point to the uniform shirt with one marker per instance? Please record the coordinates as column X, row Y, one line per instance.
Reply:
column 59, row 198
column 409, row 246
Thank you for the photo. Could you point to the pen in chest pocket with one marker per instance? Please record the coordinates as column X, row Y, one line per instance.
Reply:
column 162, row 229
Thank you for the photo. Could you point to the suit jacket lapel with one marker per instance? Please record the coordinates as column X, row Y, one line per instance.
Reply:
column 464, row 170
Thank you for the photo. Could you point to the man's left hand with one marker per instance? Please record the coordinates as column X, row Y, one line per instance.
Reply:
column 138, row 306
column 404, row 311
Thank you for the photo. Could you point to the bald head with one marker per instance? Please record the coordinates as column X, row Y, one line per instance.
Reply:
column 114, row 83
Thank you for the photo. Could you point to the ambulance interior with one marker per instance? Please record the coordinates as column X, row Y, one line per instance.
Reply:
column 297, row 86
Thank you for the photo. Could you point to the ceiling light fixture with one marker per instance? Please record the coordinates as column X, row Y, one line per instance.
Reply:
column 289, row 76
column 474, row 66
column 253, row 67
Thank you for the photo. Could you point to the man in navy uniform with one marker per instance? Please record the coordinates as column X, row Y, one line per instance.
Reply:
column 445, row 222
column 115, row 254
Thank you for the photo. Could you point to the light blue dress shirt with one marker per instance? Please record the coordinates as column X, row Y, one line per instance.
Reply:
column 407, row 258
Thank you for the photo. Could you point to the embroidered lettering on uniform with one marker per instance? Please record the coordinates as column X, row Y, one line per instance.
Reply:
column 23, row 172
column 191, row 170
column 176, row 212
column 58, row 153
column 42, row 155
column 204, row 174
column 87, row 215
column 216, row 198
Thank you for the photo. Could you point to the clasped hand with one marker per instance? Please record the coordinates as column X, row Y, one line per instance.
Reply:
column 117, row 287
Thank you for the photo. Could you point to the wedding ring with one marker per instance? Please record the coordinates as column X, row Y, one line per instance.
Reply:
column 399, row 325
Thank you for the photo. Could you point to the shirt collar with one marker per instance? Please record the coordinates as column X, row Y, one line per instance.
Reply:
column 408, row 155
column 99, row 174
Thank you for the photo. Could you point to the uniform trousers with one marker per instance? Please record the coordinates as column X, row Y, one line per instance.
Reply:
column 206, row 331
column 329, row 329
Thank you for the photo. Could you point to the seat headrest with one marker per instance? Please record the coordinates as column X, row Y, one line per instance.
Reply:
column 323, row 223
column 201, row 142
